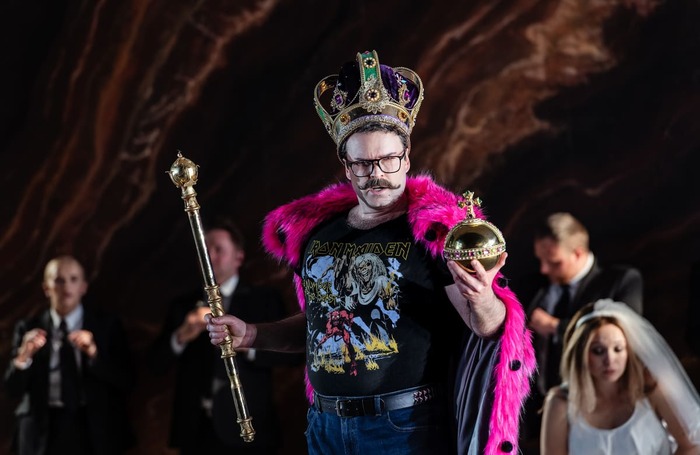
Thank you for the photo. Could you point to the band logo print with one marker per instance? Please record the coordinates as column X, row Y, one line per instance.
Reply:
column 355, row 291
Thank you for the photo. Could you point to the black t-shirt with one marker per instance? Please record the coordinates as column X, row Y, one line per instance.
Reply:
column 378, row 317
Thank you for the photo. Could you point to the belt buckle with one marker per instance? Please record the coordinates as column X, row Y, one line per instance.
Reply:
column 344, row 408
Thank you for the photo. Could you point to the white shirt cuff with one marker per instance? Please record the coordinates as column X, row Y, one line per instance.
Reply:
column 175, row 346
column 23, row 365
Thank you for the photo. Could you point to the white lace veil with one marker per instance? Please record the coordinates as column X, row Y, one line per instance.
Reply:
column 660, row 360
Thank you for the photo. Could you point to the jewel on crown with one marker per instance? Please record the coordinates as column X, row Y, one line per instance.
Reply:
column 365, row 92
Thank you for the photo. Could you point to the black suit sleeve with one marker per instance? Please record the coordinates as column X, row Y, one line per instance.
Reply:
column 619, row 283
column 630, row 289
column 114, row 362
column 17, row 380
column 160, row 354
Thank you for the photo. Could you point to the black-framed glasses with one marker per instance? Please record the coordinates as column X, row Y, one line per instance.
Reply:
column 364, row 168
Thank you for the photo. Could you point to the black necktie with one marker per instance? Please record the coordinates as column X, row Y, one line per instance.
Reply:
column 69, row 370
column 554, row 351
column 561, row 309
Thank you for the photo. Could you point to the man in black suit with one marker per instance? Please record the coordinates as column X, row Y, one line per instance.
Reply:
column 574, row 279
column 71, row 368
column 204, row 417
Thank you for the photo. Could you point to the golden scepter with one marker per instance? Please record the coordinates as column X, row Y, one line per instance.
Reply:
column 183, row 173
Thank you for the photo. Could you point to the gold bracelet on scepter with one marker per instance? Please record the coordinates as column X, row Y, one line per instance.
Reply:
column 183, row 173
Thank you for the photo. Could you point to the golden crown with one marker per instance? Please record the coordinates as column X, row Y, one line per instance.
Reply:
column 380, row 94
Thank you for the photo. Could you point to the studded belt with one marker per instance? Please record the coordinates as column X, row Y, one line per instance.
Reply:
column 375, row 404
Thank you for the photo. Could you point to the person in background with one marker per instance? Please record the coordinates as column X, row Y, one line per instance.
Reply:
column 384, row 316
column 72, row 369
column 203, row 417
column 574, row 278
column 624, row 390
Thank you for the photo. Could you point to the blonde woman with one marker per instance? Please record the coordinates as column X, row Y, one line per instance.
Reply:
column 624, row 391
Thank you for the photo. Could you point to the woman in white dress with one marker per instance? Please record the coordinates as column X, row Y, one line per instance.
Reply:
column 624, row 390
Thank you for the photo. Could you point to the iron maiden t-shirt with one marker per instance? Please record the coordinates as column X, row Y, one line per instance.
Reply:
column 378, row 318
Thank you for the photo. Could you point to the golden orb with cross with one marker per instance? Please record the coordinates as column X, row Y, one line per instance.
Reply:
column 473, row 238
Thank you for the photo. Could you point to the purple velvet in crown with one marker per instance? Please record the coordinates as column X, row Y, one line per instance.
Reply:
column 359, row 98
column 349, row 81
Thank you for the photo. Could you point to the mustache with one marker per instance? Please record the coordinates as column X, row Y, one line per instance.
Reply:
column 379, row 183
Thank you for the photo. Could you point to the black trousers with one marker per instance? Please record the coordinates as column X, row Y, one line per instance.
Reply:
column 68, row 432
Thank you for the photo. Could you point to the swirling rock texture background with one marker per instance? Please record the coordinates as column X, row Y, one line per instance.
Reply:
column 591, row 106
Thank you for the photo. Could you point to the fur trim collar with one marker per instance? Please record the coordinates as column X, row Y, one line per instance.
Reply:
column 432, row 211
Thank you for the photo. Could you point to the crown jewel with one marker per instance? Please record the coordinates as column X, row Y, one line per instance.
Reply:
column 473, row 238
column 365, row 91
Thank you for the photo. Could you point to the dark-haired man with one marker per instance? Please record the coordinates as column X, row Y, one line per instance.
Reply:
column 383, row 315
column 203, row 418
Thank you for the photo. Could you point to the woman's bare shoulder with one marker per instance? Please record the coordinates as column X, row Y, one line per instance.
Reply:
column 558, row 393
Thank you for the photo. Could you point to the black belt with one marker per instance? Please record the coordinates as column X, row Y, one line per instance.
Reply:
column 375, row 404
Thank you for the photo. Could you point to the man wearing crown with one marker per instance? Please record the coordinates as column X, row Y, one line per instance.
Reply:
column 433, row 359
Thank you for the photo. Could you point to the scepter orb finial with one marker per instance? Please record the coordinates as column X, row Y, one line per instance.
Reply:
column 183, row 172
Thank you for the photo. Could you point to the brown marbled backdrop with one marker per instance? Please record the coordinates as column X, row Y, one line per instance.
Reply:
column 591, row 106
